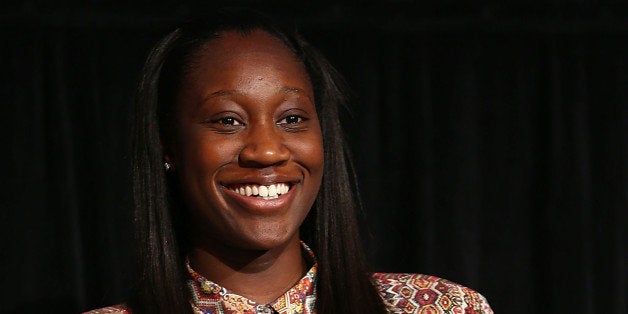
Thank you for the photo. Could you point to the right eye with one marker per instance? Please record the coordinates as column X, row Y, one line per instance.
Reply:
column 228, row 121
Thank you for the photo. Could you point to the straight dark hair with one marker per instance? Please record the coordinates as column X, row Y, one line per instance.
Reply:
column 331, row 228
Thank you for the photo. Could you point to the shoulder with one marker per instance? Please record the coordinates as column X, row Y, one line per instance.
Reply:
column 117, row 309
column 417, row 293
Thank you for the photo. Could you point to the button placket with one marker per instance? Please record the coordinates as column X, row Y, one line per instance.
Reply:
column 263, row 309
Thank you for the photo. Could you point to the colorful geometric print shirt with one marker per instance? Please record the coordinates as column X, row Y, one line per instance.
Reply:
column 416, row 293
column 210, row 298
column 401, row 293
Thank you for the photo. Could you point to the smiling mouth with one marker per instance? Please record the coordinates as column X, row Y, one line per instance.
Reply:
column 266, row 192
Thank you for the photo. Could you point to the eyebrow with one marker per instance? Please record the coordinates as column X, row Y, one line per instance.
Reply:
column 295, row 90
column 289, row 89
column 223, row 92
column 285, row 89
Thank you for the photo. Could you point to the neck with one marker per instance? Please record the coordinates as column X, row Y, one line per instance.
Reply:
column 261, row 276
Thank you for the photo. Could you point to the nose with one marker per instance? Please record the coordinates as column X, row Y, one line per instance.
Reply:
column 264, row 147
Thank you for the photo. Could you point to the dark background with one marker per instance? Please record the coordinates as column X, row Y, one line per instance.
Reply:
column 490, row 142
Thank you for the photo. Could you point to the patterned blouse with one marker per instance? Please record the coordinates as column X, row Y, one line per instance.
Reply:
column 210, row 298
column 401, row 293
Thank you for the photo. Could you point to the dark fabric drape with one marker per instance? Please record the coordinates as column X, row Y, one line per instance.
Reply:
column 491, row 153
column 502, row 152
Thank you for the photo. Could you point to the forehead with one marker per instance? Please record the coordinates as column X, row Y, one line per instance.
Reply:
column 233, row 44
column 239, row 55
column 257, row 48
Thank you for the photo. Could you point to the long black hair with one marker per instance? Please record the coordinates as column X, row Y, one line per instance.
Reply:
column 331, row 228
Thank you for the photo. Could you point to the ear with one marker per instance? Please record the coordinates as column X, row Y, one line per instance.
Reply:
column 166, row 152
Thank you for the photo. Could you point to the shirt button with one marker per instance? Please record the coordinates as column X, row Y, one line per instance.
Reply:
column 263, row 309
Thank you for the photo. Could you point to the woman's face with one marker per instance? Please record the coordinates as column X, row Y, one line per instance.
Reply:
column 248, row 148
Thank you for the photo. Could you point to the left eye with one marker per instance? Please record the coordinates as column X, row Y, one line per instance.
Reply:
column 291, row 120
column 229, row 121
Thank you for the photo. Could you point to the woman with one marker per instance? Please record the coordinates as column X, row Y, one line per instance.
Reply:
column 243, row 191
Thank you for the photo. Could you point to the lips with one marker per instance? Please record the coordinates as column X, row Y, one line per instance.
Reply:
column 266, row 192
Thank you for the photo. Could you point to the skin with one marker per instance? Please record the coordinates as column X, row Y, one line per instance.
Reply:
column 246, row 115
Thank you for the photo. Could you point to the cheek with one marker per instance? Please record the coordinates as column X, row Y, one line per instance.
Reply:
column 202, row 155
column 309, row 152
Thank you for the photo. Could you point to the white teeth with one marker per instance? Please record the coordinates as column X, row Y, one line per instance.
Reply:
column 264, row 191
column 272, row 190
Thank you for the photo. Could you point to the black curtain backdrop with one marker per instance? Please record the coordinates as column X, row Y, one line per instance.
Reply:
column 490, row 141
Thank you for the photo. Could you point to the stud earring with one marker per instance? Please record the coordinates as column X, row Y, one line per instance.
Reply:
column 167, row 166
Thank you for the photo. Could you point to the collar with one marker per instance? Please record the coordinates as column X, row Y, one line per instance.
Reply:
column 209, row 297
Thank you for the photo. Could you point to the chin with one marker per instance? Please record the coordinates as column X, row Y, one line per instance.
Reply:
column 270, row 240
